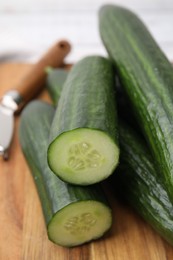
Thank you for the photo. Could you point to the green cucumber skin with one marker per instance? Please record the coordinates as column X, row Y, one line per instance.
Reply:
column 87, row 99
column 57, row 77
column 55, row 81
column 147, row 78
column 54, row 194
column 137, row 176
column 123, row 107
column 138, row 182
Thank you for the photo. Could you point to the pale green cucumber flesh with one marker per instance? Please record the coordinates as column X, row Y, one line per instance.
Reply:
column 80, row 222
column 83, row 156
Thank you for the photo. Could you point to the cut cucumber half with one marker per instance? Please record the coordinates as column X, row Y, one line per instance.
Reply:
column 83, row 156
column 73, row 214
column 79, row 222
column 83, row 138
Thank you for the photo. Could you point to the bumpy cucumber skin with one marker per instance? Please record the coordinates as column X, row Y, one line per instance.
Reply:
column 54, row 194
column 87, row 99
column 57, row 77
column 136, row 178
column 147, row 78
column 138, row 182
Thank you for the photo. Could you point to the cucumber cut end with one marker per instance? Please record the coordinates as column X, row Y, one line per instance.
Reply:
column 79, row 223
column 83, row 156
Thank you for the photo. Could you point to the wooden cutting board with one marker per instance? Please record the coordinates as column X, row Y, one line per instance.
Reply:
column 22, row 229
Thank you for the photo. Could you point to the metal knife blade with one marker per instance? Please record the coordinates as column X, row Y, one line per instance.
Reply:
column 6, row 130
column 9, row 104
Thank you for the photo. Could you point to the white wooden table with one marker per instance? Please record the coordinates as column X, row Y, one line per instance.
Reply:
column 28, row 28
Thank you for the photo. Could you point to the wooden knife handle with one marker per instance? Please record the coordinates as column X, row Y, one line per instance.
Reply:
column 33, row 82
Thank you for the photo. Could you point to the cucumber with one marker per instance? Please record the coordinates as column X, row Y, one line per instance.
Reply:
column 138, row 182
column 55, row 81
column 136, row 178
column 73, row 214
column 83, row 146
column 147, row 77
column 57, row 77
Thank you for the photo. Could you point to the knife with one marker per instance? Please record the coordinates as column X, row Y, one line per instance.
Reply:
column 14, row 99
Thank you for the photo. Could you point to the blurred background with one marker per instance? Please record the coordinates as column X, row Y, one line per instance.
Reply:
column 29, row 27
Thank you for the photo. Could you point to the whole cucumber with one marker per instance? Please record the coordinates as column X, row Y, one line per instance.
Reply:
column 147, row 78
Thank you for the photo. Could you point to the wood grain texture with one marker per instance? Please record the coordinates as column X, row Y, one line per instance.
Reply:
column 33, row 82
column 23, row 233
